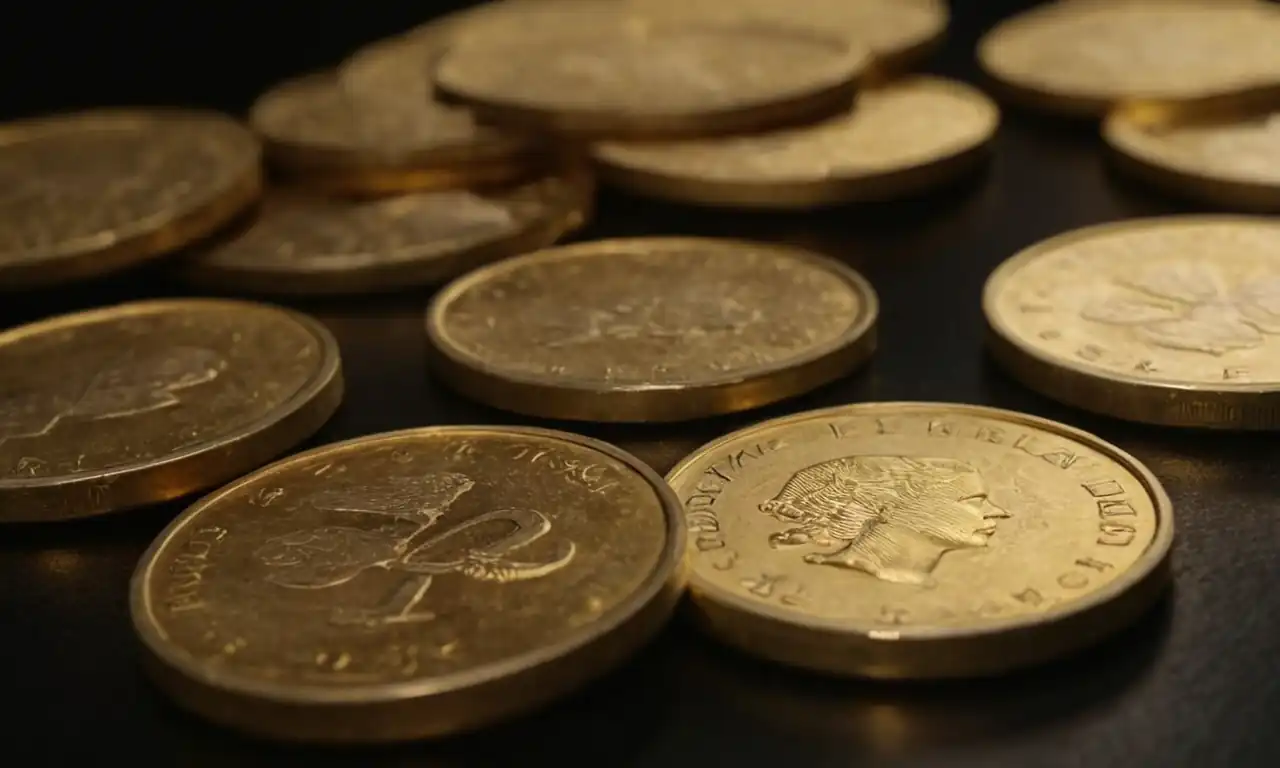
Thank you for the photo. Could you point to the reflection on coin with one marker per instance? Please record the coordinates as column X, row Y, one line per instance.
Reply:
column 1168, row 321
column 902, row 137
column 1228, row 157
column 89, row 193
column 919, row 540
column 410, row 584
column 146, row 402
column 651, row 329
column 312, row 245
column 653, row 81
column 1083, row 56
column 372, row 133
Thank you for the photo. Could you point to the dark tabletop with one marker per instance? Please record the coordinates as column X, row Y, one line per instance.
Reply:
column 1195, row 683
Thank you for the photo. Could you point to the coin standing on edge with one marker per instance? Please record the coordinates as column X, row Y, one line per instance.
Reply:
column 1224, row 157
column 651, row 329
column 1170, row 321
column 410, row 584
column 1082, row 57
column 653, row 81
column 88, row 193
column 142, row 403
column 903, row 137
column 314, row 245
column 919, row 540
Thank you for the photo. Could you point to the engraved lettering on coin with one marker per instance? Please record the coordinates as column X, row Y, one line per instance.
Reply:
column 892, row 517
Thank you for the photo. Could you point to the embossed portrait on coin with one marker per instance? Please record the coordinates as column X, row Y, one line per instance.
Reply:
column 128, row 386
column 409, row 542
column 892, row 517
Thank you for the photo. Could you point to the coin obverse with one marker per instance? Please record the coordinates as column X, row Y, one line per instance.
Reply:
column 919, row 540
column 409, row 584
column 146, row 402
column 650, row 329
column 89, row 193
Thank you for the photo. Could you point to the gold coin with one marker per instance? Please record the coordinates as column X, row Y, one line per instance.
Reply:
column 145, row 402
column 410, row 584
column 88, row 193
column 903, row 137
column 651, row 81
column 1083, row 56
column 1167, row 321
column 1227, row 156
column 650, row 329
column 919, row 540
column 313, row 245
column 378, row 136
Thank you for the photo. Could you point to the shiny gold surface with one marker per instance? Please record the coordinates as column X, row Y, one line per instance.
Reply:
column 88, row 193
column 313, row 245
column 1084, row 56
column 650, row 329
column 409, row 584
column 900, row 138
column 146, row 402
column 647, row 80
column 1168, row 321
column 919, row 540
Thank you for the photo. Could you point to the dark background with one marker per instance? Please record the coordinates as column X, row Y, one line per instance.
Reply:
column 1196, row 683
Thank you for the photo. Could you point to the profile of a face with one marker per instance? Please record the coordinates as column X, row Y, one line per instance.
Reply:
column 892, row 517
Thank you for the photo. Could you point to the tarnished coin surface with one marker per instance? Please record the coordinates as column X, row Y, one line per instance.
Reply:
column 146, row 402
column 410, row 584
column 315, row 245
column 651, row 329
column 653, row 80
column 1170, row 321
column 1224, row 157
column 88, row 193
column 1084, row 56
column 904, row 136
column 919, row 540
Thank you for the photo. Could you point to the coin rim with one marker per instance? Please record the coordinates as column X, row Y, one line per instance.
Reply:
column 669, row 568
column 587, row 400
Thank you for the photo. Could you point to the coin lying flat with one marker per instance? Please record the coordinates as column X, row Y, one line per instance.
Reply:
column 1168, row 321
column 650, row 329
column 1228, row 157
column 902, row 137
column 142, row 403
column 1084, row 56
column 377, row 130
column 410, row 584
column 314, row 245
column 93, row 192
column 653, row 81
column 919, row 540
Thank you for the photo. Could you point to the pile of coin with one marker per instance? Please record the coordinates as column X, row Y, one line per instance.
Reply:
column 436, row 580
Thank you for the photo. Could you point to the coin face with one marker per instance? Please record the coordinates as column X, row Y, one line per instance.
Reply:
column 1169, row 320
column 651, row 329
column 316, row 245
column 906, row 135
column 906, row 540
column 92, row 192
column 146, row 402
column 1084, row 56
column 653, row 80
column 409, row 584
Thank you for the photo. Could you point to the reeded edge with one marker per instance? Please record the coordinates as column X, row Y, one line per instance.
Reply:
column 147, row 239
column 596, row 401
column 860, row 649
column 537, row 676
column 816, row 191
column 1164, row 402
column 196, row 468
